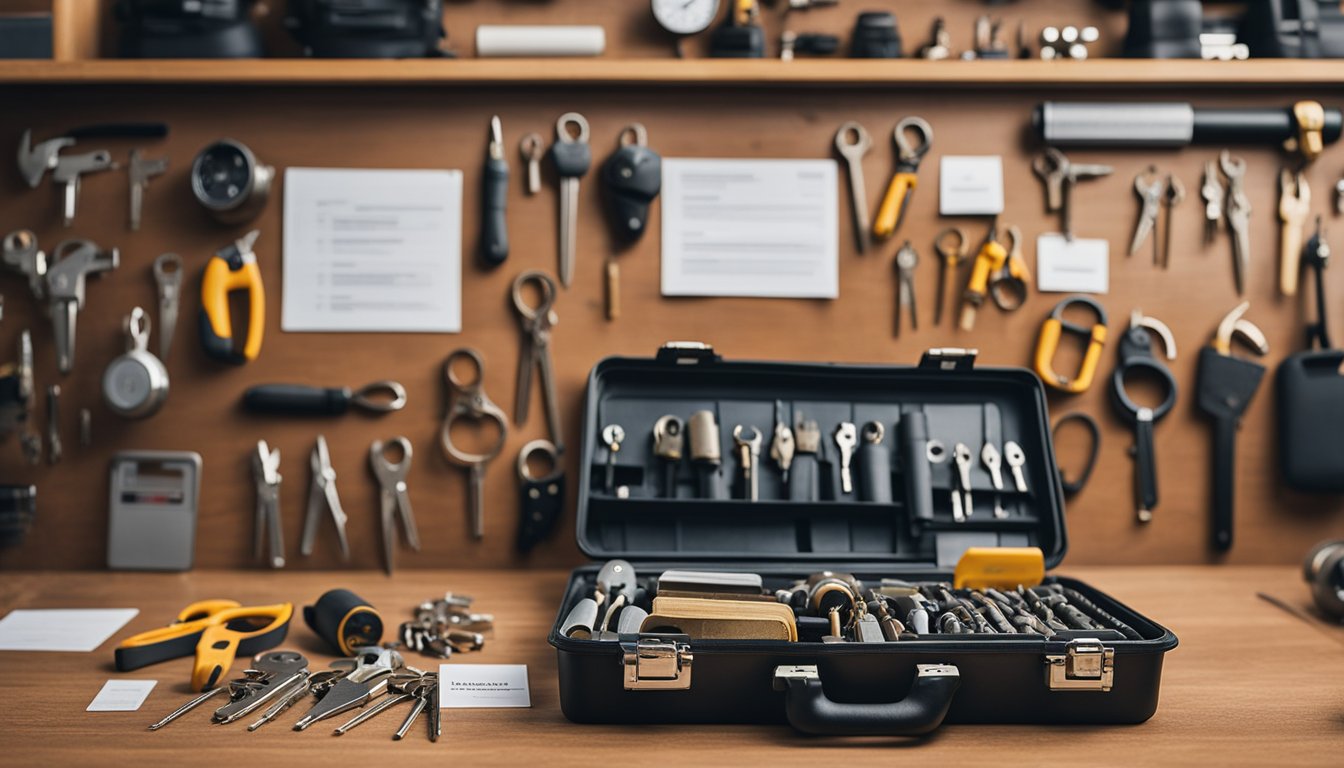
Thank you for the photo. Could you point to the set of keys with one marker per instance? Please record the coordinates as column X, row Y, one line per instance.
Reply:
column 963, row 505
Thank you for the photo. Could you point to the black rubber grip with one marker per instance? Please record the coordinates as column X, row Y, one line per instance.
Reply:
column 494, row 229
column 804, row 478
column 913, row 434
column 297, row 400
column 1257, row 126
column 874, row 469
column 920, row 712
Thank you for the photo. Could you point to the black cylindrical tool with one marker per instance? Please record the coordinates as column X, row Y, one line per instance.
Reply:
column 1170, row 124
column 914, row 441
column 344, row 620
column 874, row 464
column 495, row 195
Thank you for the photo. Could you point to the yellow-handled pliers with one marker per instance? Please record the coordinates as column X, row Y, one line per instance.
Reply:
column 233, row 268
column 903, row 182
column 216, row 631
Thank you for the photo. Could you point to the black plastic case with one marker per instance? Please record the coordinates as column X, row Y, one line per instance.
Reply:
column 896, row 688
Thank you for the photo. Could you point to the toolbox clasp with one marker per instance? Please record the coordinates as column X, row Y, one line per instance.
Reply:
column 687, row 353
column 949, row 359
column 1085, row 665
column 657, row 662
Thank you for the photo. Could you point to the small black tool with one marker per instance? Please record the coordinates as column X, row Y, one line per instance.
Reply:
column 303, row 400
column 874, row 464
column 1136, row 356
column 740, row 37
column 876, row 36
column 541, row 499
column 344, row 620
column 1076, row 485
column 914, row 446
column 632, row 177
column 495, row 191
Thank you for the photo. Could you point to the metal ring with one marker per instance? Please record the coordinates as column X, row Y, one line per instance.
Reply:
column 386, row 469
column 531, row 146
column 538, row 446
column 137, row 327
column 1127, row 404
column 935, row 451
column 562, row 128
column 919, row 125
column 161, row 264
column 862, row 142
column 361, row 397
column 638, row 131
column 545, row 283
column 458, row 354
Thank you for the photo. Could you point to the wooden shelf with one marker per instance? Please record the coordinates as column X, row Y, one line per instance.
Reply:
column 896, row 74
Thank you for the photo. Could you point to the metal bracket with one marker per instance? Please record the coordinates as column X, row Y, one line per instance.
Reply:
column 657, row 663
column 1086, row 665
column 687, row 353
column 949, row 359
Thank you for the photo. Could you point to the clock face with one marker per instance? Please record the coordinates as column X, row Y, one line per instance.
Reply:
column 685, row 17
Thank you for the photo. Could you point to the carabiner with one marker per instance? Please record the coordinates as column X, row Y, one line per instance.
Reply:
column 1048, row 343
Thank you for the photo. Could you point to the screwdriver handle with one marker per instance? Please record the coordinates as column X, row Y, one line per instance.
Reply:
column 494, row 230
column 892, row 210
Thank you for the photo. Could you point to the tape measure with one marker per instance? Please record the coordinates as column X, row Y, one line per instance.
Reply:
column 344, row 620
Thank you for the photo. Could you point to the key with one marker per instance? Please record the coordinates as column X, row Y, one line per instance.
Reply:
column 961, row 453
column 989, row 456
column 368, row 713
column 748, row 458
column 668, row 441
column 366, row 679
column 1172, row 196
column 531, row 148
column 906, row 261
column 189, row 706
column 280, row 672
column 139, row 173
column 1212, row 192
column 1148, row 186
column 1016, row 461
column 949, row 257
column 781, row 444
column 1238, row 214
column 846, row 437
column 572, row 157
column 853, row 142
column 1294, row 208
column 612, row 436
column 421, row 699
column 317, row 684
column 168, row 279
column 436, row 711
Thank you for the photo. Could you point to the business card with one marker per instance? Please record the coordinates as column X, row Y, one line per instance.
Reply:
column 466, row 686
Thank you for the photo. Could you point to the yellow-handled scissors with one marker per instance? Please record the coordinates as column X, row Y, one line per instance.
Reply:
column 216, row 631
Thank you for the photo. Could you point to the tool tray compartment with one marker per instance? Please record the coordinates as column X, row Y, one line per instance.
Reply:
column 659, row 519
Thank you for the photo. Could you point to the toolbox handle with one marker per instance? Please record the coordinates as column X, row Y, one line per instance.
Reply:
column 920, row 712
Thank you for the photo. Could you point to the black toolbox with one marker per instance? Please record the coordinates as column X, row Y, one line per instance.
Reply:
column 703, row 522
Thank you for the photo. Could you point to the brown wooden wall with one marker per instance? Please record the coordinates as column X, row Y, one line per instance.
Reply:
column 445, row 127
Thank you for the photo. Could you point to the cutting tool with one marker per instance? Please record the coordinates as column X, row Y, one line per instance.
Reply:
column 322, row 493
column 216, row 630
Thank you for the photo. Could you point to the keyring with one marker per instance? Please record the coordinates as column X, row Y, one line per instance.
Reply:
column 469, row 401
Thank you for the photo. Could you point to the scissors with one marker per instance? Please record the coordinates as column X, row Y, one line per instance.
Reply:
column 467, row 400
column 395, row 499
column 536, row 352
column 216, row 630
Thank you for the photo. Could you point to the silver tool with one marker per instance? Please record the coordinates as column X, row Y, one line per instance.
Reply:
column 366, row 679
column 782, row 444
column 35, row 161
column 993, row 461
column 532, row 149
column 280, row 673
column 939, row 46
column 669, row 441
column 268, row 532
column 749, row 459
column 54, row 451
column 316, row 681
column 906, row 261
column 68, row 172
column 853, row 142
column 72, row 263
column 572, row 159
column 612, row 437
column 537, row 324
column 230, row 182
column 1060, row 176
column 135, row 384
column 846, row 437
column 21, row 255
column 140, row 171
column 961, row 453
column 368, row 713
column 1294, row 209
column 1017, row 459
column 467, row 401
column 168, row 279
column 1173, row 194
column 322, row 493
column 425, row 692
column 1212, row 191
column 1148, row 186
column 189, row 706
column 1238, row 216
column 395, row 500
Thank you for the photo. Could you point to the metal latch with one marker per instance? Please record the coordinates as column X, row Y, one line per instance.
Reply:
column 1086, row 665
column 949, row 359
column 687, row 353
column 657, row 663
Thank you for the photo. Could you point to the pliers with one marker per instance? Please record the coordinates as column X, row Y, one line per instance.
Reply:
column 322, row 492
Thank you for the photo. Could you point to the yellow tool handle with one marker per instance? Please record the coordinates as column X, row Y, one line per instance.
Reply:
column 893, row 204
column 1290, row 257
column 999, row 568
column 1091, row 359
column 219, row 642
column 989, row 260
column 1047, row 343
column 218, row 282
column 205, row 608
column 256, row 323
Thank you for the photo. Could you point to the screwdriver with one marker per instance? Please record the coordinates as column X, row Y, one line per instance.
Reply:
column 495, row 191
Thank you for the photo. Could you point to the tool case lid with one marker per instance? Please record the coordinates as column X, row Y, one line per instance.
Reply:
column 963, row 404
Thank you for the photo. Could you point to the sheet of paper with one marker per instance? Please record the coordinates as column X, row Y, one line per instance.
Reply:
column 970, row 185
column 1080, row 266
column 75, row 630
column 372, row 250
column 121, row 696
column 465, row 686
column 750, row 228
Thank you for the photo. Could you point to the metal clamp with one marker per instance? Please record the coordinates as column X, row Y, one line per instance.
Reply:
column 657, row 663
column 1085, row 665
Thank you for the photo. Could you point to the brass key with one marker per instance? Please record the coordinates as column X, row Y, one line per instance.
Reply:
column 612, row 435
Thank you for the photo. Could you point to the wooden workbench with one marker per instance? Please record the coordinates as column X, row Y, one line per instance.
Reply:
column 1250, row 684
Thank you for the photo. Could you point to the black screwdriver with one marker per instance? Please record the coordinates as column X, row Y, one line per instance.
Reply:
column 495, row 192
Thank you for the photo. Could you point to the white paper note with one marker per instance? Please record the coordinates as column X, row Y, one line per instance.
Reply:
column 121, row 696
column 465, row 686
column 372, row 250
column 970, row 185
column 75, row 630
column 1077, row 266
column 750, row 228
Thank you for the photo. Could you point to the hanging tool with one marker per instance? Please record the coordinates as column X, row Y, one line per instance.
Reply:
column 852, row 142
column 988, row 262
column 572, row 157
column 1173, row 195
column 17, row 398
column 1048, row 343
column 322, row 493
column 741, row 35
column 1316, row 254
column 1212, row 192
column 139, row 172
column 1294, row 208
column 72, row 262
column 631, row 178
column 669, row 440
column 468, row 402
column 532, row 148
column 1075, row 486
column 135, row 384
column 1156, row 194
column 537, row 323
column 1225, row 387
column 216, row 631
column 21, row 254
column 268, row 536
column 891, row 212
column 168, row 281
column 1060, row 176
column 950, row 258
column 232, row 268
column 495, row 198
column 782, row 445
column 394, row 499
column 1238, row 215
column 376, row 397
column 1009, row 285
column 1136, row 355
column 541, row 498
column 906, row 261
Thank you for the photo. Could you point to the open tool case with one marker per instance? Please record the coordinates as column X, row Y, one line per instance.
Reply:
column 903, row 687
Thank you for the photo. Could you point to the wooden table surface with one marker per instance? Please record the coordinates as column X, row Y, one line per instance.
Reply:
column 1249, row 684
